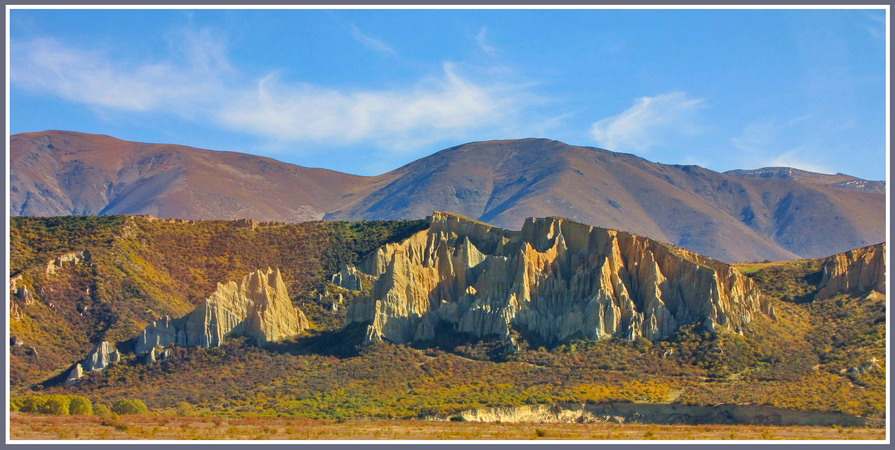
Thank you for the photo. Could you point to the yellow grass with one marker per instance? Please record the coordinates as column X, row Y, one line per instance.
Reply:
column 36, row 427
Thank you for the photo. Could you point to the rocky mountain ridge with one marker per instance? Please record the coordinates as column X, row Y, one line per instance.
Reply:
column 554, row 279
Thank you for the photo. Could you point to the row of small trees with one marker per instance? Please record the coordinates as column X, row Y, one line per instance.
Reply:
column 64, row 405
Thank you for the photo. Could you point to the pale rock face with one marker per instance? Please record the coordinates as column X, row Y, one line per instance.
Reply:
column 257, row 307
column 103, row 355
column 14, row 283
column 347, row 278
column 18, row 294
column 856, row 271
column 867, row 366
column 245, row 223
column 15, row 312
column 24, row 295
column 150, row 356
column 71, row 258
column 555, row 278
column 74, row 375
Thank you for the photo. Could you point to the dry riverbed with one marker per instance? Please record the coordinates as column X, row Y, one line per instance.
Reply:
column 38, row 427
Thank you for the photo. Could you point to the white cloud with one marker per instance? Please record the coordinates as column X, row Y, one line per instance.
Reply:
column 756, row 137
column 371, row 42
column 95, row 78
column 766, row 136
column 649, row 122
column 202, row 84
column 798, row 159
column 307, row 112
column 481, row 39
column 875, row 24
column 762, row 144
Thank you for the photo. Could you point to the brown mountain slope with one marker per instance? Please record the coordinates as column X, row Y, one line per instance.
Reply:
column 62, row 173
column 741, row 216
column 727, row 217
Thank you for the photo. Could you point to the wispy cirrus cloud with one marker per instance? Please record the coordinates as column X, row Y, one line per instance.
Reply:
column 371, row 42
column 481, row 39
column 770, row 143
column 200, row 82
column 650, row 121
column 96, row 78
column 798, row 158
column 875, row 24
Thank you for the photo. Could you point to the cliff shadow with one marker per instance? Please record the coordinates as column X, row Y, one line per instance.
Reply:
column 342, row 343
column 467, row 345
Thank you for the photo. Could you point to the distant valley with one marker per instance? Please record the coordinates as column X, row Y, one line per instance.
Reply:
column 741, row 215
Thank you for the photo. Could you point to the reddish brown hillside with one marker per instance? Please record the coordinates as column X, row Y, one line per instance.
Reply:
column 62, row 173
column 727, row 217
column 774, row 213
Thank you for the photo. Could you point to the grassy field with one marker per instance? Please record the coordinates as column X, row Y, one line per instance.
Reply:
column 38, row 427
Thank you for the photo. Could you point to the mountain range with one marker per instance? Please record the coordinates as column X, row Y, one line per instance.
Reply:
column 742, row 215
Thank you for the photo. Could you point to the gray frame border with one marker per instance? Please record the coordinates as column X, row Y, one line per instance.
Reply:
column 440, row 444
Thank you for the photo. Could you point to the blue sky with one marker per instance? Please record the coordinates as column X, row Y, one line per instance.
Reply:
column 366, row 91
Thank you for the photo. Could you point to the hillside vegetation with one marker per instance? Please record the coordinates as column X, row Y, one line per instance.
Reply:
column 140, row 268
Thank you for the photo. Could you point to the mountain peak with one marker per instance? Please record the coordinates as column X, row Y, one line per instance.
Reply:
column 839, row 180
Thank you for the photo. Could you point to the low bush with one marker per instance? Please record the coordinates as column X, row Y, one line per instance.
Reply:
column 102, row 409
column 56, row 405
column 32, row 404
column 80, row 406
column 129, row 406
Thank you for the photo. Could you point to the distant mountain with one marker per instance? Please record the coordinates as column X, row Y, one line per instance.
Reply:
column 732, row 218
column 60, row 173
column 788, row 173
column 774, row 213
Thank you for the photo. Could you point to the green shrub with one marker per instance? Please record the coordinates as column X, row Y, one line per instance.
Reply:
column 129, row 406
column 32, row 404
column 16, row 404
column 102, row 410
column 56, row 405
column 80, row 406
column 185, row 409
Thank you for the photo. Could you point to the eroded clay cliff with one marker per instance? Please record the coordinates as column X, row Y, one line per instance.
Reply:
column 555, row 279
column 258, row 306
column 101, row 357
column 857, row 271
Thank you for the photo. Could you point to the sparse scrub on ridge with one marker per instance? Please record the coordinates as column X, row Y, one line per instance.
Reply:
column 141, row 269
